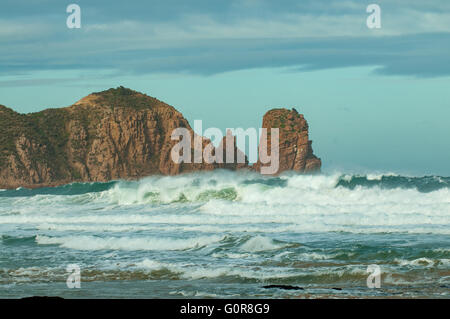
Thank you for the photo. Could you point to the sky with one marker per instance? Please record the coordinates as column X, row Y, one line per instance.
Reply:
column 377, row 100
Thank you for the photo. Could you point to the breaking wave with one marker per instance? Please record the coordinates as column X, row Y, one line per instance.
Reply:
column 127, row 243
column 244, row 201
column 232, row 186
column 221, row 229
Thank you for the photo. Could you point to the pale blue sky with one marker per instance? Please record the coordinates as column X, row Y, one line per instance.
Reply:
column 376, row 100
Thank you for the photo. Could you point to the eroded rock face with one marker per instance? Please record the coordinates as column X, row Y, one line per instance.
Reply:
column 236, row 158
column 295, row 150
column 115, row 134
column 119, row 134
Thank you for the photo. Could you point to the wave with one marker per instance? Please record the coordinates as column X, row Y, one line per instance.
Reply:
column 391, row 181
column 220, row 184
column 127, row 243
column 256, row 273
column 202, row 224
column 193, row 272
column 16, row 241
column 423, row 262
column 155, row 270
column 251, row 244
column 290, row 188
column 67, row 190
column 260, row 243
column 223, row 201
column 150, row 269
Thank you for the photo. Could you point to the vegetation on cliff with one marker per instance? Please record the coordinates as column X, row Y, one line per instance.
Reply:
column 115, row 134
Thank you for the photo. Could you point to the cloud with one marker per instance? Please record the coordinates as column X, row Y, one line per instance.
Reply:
column 207, row 36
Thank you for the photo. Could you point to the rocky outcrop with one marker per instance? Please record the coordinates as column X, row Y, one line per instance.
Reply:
column 119, row 134
column 295, row 151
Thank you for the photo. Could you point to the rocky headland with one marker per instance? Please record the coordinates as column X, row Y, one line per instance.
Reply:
column 121, row 134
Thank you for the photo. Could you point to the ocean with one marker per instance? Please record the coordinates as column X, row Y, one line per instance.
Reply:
column 224, row 234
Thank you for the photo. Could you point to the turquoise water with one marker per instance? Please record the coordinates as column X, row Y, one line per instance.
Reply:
column 225, row 234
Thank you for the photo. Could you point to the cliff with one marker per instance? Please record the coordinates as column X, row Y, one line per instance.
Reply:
column 114, row 134
column 295, row 149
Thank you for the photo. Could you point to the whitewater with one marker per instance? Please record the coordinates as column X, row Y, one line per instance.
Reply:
column 229, row 234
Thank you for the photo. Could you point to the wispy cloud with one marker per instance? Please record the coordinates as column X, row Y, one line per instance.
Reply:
column 207, row 37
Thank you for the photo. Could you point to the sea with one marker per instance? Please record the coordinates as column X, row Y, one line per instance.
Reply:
column 226, row 234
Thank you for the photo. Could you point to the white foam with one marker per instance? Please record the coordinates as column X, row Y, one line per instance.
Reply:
column 152, row 265
column 425, row 262
column 232, row 255
column 315, row 256
column 304, row 204
column 196, row 271
column 259, row 243
column 127, row 243
column 441, row 250
column 378, row 177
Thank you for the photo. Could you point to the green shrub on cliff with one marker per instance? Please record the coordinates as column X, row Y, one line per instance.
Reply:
column 123, row 97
